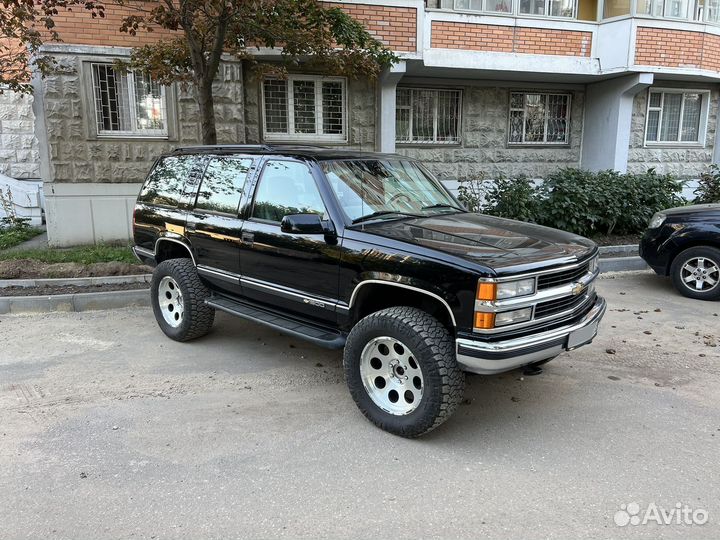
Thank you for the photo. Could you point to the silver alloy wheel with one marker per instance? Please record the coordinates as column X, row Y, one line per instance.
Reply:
column 700, row 274
column 391, row 375
column 171, row 301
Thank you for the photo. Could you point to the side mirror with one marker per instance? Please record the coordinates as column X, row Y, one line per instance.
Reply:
column 302, row 224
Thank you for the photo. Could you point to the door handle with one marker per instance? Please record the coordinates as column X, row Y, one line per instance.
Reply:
column 248, row 238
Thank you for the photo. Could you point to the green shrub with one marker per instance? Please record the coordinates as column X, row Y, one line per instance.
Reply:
column 576, row 200
column 17, row 234
column 514, row 198
column 708, row 190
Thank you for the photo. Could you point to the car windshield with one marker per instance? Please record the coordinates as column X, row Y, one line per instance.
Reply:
column 386, row 189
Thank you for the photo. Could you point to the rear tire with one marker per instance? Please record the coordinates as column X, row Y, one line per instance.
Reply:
column 178, row 300
column 402, row 372
column 696, row 273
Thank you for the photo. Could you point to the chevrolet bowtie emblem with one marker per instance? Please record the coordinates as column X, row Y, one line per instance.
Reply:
column 578, row 289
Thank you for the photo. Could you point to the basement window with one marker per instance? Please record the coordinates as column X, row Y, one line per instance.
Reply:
column 676, row 117
column 128, row 104
column 304, row 108
column 427, row 116
column 539, row 118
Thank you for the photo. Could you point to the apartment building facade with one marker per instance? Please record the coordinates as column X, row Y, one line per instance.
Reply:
column 483, row 87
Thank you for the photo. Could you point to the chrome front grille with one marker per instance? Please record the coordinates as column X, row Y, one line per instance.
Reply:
column 548, row 281
column 561, row 305
column 560, row 294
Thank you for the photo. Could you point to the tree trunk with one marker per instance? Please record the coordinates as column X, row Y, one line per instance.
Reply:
column 207, row 112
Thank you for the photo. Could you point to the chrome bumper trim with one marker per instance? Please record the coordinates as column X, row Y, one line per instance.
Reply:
column 495, row 357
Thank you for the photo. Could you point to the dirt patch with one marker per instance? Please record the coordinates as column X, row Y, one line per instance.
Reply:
column 32, row 269
column 69, row 289
column 617, row 239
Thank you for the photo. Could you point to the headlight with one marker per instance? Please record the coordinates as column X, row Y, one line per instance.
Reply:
column 657, row 220
column 510, row 317
column 511, row 289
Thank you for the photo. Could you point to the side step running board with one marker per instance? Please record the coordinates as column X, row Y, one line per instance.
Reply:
column 324, row 337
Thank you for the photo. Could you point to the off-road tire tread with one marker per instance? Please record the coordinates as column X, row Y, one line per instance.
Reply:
column 199, row 315
column 436, row 346
column 697, row 251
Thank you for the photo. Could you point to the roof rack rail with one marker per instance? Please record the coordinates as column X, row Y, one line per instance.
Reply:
column 222, row 147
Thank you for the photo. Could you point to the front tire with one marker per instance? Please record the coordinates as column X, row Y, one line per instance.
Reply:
column 696, row 273
column 402, row 372
column 178, row 300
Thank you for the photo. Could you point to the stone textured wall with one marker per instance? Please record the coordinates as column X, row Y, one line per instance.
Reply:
column 484, row 147
column 687, row 162
column 75, row 156
column 361, row 114
column 19, row 156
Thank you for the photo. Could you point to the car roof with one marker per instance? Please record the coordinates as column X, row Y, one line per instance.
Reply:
column 319, row 153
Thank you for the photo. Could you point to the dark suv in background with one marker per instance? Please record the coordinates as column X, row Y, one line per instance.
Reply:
column 684, row 243
column 367, row 252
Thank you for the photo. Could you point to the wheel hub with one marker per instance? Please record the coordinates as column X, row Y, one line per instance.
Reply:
column 391, row 375
column 170, row 300
column 700, row 274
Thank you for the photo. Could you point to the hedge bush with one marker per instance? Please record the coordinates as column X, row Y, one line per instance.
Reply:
column 576, row 200
column 708, row 190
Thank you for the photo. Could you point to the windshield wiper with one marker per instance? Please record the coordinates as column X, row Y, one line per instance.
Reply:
column 380, row 213
column 441, row 205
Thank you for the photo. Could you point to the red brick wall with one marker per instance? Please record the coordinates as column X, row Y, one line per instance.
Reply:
column 395, row 26
column 677, row 48
column 488, row 37
column 79, row 28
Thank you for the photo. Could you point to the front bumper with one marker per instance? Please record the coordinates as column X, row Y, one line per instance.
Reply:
column 488, row 358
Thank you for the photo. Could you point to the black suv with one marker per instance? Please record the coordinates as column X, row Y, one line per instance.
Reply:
column 684, row 243
column 367, row 252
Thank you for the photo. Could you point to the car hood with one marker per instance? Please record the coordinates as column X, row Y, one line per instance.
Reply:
column 694, row 210
column 502, row 245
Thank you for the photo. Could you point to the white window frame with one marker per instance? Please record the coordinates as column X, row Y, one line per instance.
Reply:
column 434, row 140
column 704, row 112
column 134, row 132
column 318, row 135
column 515, row 10
column 544, row 142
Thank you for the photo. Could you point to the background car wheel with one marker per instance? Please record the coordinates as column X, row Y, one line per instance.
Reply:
column 696, row 273
column 178, row 300
column 402, row 372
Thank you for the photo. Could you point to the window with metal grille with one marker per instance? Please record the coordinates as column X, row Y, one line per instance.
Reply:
column 676, row 116
column 539, row 118
column 425, row 115
column 128, row 104
column 304, row 107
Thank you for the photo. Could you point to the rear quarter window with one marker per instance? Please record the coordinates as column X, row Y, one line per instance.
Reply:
column 165, row 183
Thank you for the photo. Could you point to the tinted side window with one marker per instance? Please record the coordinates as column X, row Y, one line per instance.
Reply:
column 286, row 188
column 165, row 184
column 223, row 184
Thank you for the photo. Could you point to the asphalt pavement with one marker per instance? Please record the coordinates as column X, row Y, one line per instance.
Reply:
column 110, row 430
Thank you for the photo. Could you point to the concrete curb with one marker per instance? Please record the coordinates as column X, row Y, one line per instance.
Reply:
column 622, row 264
column 78, row 282
column 75, row 302
column 625, row 248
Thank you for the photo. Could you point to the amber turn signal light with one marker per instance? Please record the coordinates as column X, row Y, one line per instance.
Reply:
column 484, row 320
column 487, row 291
